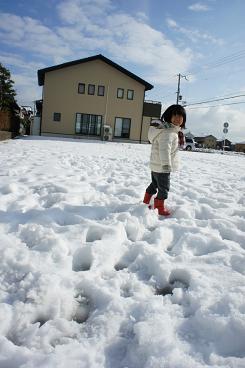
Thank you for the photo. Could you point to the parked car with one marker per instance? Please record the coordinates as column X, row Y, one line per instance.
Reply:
column 190, row 144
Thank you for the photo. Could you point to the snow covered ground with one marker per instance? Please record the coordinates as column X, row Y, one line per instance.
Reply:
column 90, row 278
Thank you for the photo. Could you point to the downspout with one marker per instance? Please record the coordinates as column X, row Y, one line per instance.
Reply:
column 142, row 118
column 41, row 117
column 106, row 108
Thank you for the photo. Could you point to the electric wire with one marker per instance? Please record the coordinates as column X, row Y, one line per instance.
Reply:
column 227, row 95
column 214, row 100
column 216, row 63
column 220, row 62
column 208, row 107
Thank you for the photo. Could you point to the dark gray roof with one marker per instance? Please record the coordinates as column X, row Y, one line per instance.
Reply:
column 204, row 137
column 41, row 72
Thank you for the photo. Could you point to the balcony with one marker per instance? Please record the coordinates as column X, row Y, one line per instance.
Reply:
column 152, row 109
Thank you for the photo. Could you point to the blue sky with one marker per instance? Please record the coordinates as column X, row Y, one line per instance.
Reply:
column 157, row 40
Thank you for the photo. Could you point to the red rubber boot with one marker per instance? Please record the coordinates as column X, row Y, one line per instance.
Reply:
column 159, row 204
column 147, row 198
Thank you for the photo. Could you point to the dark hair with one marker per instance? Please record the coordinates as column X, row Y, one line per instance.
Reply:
column 174, row 110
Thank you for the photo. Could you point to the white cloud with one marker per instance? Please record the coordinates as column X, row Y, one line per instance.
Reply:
column 193, row 34
column 24, row 77
column 211, row 120
column 142, row 16
column 18, row 62
column 138, row 43
column 92, row 25
column 171, row 23
column 26, row 90
column 31, row 35
column 83, row 11
column 199, row 7
column 124, row 38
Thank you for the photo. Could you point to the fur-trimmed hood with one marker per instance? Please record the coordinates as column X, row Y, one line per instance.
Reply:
column 157, row 126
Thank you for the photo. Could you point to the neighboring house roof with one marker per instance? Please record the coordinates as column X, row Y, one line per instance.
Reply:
column 200, row 139
column 222, row 141
column 210, row 136
column 41, row 72
column 203, row 138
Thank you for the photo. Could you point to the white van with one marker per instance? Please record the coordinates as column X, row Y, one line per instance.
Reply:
column 190, row 144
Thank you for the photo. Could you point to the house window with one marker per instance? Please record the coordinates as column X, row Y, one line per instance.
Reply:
column 57, row 116
column 130, row 94
column 101, row 90
column 122, row 127
column 88, row 124
column 120, row 92
column 91, row 89
column 81, row 88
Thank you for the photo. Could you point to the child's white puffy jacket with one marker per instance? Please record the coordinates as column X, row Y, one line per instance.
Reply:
column 164, row 150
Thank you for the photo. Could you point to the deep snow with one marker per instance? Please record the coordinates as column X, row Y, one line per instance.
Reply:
column 91, row 278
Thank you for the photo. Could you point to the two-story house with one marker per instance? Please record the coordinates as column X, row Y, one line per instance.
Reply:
column 81, row 96
column 208, row 141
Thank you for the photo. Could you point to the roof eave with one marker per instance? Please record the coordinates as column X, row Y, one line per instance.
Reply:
column 41, row 72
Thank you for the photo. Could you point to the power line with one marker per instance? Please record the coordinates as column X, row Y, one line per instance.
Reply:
column 207, row 107
column 214, row 100
column 221, row 61
column 216, row 63
column 228, row 95
column 228, row 59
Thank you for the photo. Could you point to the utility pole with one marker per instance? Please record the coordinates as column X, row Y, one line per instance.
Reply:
column 178, row 90
column 1, row 94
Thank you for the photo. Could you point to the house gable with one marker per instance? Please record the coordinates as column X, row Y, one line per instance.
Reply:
column 41, row 72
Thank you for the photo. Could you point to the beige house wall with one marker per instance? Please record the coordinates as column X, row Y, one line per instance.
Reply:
column 240, row 147
column 60, row 94
column 210, row 142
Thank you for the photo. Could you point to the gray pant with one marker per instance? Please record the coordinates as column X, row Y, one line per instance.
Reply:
column 160, row 184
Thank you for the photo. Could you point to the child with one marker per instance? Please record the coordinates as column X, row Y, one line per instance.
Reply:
column 163, row 135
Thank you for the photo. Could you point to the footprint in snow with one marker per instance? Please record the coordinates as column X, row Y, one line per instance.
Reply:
column 82, row 309
column 128, row 258
column 82, row 259
column 178, row 279
column 42, row 319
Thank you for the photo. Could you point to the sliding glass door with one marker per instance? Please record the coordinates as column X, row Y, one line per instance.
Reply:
column 88, row 124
